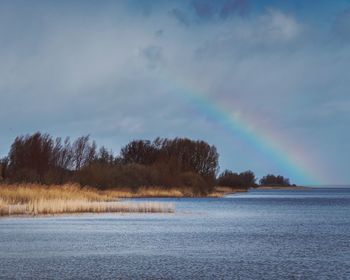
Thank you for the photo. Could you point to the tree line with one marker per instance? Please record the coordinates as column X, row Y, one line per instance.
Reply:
column 180, row 162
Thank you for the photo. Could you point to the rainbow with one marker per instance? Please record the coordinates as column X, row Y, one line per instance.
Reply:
column 293, row 164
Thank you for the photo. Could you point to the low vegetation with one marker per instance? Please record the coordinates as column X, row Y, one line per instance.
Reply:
column 38, row 199
column 220, row 191
column 243, row 180
column 272, row 180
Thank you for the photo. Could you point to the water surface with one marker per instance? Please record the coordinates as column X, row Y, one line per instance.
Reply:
column 270, row 234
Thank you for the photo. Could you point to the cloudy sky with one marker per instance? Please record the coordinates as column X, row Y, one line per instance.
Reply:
column 266, row 82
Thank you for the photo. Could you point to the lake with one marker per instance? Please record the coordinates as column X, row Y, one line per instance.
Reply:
column 263, row 234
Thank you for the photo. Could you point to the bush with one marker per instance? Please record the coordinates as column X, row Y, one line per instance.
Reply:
column 273, row 180
column 196, row 184
column 234, row 180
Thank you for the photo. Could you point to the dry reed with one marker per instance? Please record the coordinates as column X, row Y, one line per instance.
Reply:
column 150, row 192
column 220, row 191
column 37, row 200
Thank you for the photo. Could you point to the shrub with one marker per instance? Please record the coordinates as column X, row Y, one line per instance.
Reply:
column 196, row 183
column 274, row 180
column 234, row 180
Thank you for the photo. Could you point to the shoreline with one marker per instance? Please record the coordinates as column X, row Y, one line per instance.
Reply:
column 38, row 200
column 282, row 188
column 222, row 191
column 217, row 193
column 31, row 199
column 174, row 193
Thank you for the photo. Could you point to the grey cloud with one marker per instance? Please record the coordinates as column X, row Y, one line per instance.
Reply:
column 180, row 16
column 268, row 33
column 153, row 55
column 232, row 7
column 204, row 8
column 159, row 33
column 202, row 11
column 221, row 9
column 341, row 26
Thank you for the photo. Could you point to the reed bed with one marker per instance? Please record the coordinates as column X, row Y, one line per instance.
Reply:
column 222, row 191
column 25, row 193
column 41, row 200
column 149, row 192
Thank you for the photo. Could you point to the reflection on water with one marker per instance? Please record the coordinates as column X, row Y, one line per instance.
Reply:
column 259, row 235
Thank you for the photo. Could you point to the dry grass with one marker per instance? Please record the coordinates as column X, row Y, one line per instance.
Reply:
column 221, row 191
column 178, row 192
column 149, row 192
column 25, row 193
column 38, row 199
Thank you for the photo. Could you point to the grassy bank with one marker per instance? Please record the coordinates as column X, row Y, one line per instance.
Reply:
column 144, row 192
column 151, row 192
column 39, row 200
column 33, row 199
column 220, row 191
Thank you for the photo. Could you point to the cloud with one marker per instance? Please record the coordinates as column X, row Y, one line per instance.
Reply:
column 117, row 74
column 272, row 31
column 221, row 9
column 203, row 9
column 180, row 16
column 153, row 54
column 279, row 26
column 232, row 7
column 206, row 11
column 341, row 26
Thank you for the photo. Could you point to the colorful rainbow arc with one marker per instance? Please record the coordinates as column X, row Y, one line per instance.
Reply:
column 243, row 130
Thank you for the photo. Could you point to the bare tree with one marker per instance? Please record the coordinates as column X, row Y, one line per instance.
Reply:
column 83, row 152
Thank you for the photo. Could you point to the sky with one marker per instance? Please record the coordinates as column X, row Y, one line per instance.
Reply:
column 267, row 82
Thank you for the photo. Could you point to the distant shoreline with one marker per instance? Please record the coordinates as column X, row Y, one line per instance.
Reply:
column 282, row 188
column 222, row 191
